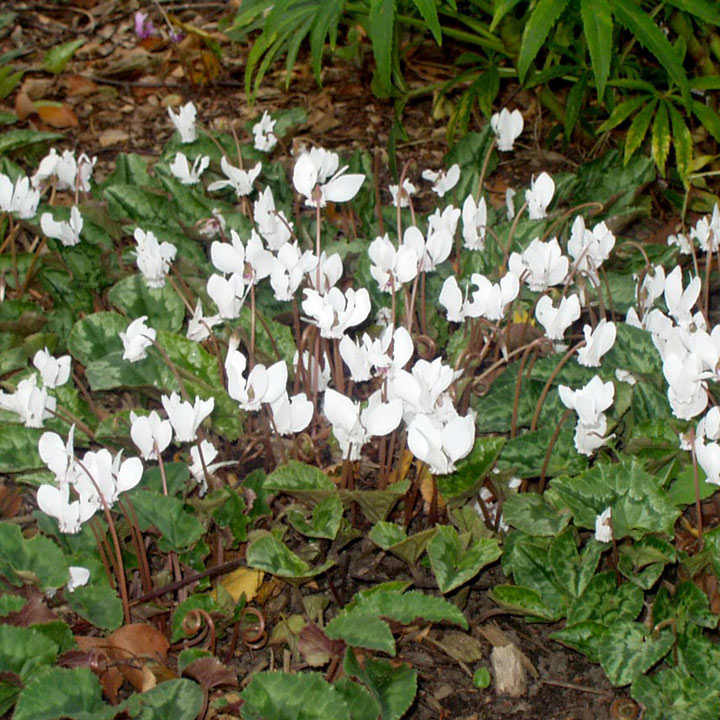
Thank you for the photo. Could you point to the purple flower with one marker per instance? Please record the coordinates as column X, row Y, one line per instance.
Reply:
column 144, row 27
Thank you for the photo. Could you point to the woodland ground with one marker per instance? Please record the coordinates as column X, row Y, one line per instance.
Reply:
column 118, row 93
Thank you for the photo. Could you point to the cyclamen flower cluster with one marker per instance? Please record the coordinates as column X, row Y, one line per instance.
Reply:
column 96, row 481
column 32, row 403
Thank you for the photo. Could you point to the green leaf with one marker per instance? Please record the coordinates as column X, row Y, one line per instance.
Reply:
column 360, row 630
column 471, row 471
column 689, row 604
column 454, row 562
column 11, row 603
column 269, row 554
column 24, row 650
column 428, row 10
column 638, row 129
column 673, row 695
column 58, row 57
column 639, row 504
column 381, row 29
column 707, row 11
column 18, row 139
column 179, row 699
column 285, row 696
column 57, row 693
column 708, row 118
column 481, row 678
column 643, row 562
column 500, row 9
column 18, row 448
column 543, row 18
column 622, row 112
column 294, row 476
column 163, row 307
column 573, row 571
column 606, row 602
column 324, row 522
column 394, row 688
column 629, row 14
column 523, row 600
column 598, row 30
column 627, row 649
column 98, row 604
column 9, row 80
column 179, row 528
column 405, row 607
column 574, row 104
column 532, row 514
column 96, row 335
column 37, row 559
column 360, row 702
column 392, row 537
column 660, row 138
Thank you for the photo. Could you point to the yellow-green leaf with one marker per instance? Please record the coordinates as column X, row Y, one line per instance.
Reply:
column 661, row 138
column 638, row 129
column 682, row 141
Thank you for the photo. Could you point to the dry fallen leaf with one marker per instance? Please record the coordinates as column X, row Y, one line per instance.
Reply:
column 210, row 673
column 57, row 115
column 131, row 646
column 242, row 581
column 113, row 136
column 24, row 106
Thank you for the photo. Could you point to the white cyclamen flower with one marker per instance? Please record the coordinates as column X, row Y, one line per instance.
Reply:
column 557, row 320
column 335, row 312
column 79, row 576
column 262, row 385
column 291, row 414
column 441, row 442
column 252, row 261
column 289, row 268
column 239, row 180
column 317, row 177
column 264, row 133
column 443, row 182
column 199, row 326
column 590, row 248
column 197, row 471
column 541, row 264
column 136, row 339
column 510, row 203
column 56, row 503
column 708, row 458
column 392, row 267
column 150, row 433
column 66, row 231
column 331, row 270
column 58, row 455
column 401, row 194
column 184, row 122
column 185, row 417
column 507, row 127
column 20, row 198
column 597, row 343
column 491, row 299
column 474, row 216
column 228, row 294
column 153, row 258
column 353, row 427
column 187, row 175
column 272, row 224
column 54, row 371
column 31, row 403
column 603, row 527
column 679, row 301
column 539, row 196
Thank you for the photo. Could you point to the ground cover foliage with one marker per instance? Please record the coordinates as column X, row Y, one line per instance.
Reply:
column 509, row 384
